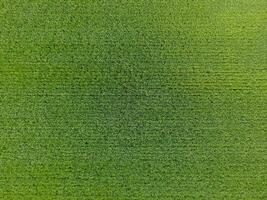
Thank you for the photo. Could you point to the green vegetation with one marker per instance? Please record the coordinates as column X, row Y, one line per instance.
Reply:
column 133, row 99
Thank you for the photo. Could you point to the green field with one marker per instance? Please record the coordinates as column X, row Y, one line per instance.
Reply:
column 133, row 99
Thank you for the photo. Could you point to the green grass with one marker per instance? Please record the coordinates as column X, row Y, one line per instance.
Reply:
column 109, row 99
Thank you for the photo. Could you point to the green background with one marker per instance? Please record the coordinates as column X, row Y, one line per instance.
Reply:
column 144, row 99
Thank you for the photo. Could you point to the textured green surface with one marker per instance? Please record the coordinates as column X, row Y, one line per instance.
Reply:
column 160, row 99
